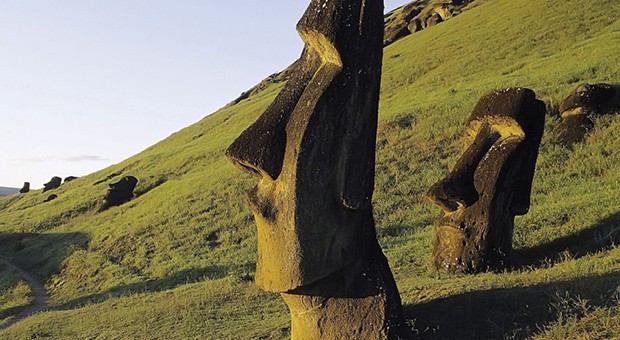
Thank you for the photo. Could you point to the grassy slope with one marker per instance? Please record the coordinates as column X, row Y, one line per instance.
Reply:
column 179, row 259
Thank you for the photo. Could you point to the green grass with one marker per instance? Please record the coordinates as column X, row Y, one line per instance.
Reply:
column 14, row 294
column 178, row 261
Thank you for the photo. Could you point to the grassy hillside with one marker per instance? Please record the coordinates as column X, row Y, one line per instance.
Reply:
column 178, row 260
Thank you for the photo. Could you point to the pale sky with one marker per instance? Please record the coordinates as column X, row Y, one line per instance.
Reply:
column 85, row 84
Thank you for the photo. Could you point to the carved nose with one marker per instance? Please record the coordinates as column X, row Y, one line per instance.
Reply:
column 458, row 189
column 259, row 150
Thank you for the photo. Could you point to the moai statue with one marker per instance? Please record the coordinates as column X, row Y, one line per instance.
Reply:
column 490, row 183
column 52, row 184
column 585, row 101
column 25, row 188
column 70, row 178
column 50, row 198
column 119, row 192
column 313, row 151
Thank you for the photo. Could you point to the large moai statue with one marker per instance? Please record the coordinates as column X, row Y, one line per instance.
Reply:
column 119, row 192
column 52, row 184
column 313, row 151
column 25, row 188
column 577, row 110
column 490, row 183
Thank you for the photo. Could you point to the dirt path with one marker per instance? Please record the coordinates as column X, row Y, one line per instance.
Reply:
column 40, row 298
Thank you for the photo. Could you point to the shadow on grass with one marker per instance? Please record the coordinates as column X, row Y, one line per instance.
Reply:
column 514, row 313
column 602, row 235
column 193, row 275
column 40, row 255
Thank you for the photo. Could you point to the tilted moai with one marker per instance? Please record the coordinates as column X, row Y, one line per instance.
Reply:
column 25, row 188
column 70, row 178
column 577, row 109
column 313, row 151
column 50, row 198
column 490, row 183
column 52, row 184
column 119, row 192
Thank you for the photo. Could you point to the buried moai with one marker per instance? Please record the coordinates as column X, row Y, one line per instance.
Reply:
column 50, row 198
column 119, row 192
column 52, row 184
column 490, row 183
column 313, row 151
column 25, row 188
column 70, row 178
column 577, row 109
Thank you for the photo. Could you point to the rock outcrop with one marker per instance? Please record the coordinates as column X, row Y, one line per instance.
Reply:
column 577, row 110
column 119, row 192
column 52, row 184
column 419, row 15
column 490, row 183
column 25, row 188
column 313, row 152
column 50, row 198
column 70, row 178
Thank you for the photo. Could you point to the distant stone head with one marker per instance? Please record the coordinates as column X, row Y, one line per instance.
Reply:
column 25, row 188
column 70, row 178
column 50, row 198
column 119, row 192
column 52, row 184
column 577, row 110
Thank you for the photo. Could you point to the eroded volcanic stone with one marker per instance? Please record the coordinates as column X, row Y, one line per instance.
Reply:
column 313, row 151
column 574, row 127
column 25, row 188
column 50, row 198
column 490, row 183
column 119, row 192
column 586, row 101
column 52, row 184
column 588, row 96
column 70, row 178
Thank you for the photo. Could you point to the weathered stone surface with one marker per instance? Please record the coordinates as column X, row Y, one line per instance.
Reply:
column 490, row 183
column 589, row 97
column 119, row 192
column 70, row 178
column 52, row 184
column 313, row 151
column 25, row 188
column 418, row 15
column 574, row 127
column 50, row 198
column 586, row 101
column 434, row 19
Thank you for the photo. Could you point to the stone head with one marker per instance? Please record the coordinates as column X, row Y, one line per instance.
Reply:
column 491, row 182
column 313, row 149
